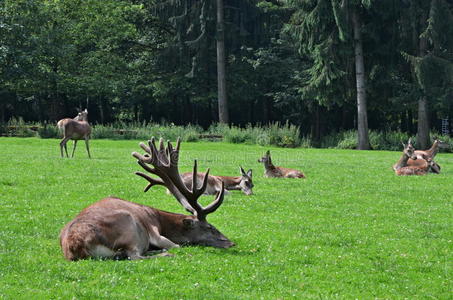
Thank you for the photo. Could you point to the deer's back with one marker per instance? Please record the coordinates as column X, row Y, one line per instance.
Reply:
column 286, row 172
column 214, row 182
column 418, row 163
column 102, row 226
column 420, row 154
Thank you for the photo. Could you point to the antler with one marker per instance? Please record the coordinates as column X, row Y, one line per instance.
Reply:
column 164, row 164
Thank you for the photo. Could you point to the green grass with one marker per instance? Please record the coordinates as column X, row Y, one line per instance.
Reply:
column 352, row 229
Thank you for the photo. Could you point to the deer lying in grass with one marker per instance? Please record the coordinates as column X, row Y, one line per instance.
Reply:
column 272, row 171
column 116, row 228
column 402, row 168
column 422, row 170
column 408, row 152
column 430, row 153
column 243, row 182
column 75, row 129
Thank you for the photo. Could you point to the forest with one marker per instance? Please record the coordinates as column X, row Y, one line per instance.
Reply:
column 322, row 65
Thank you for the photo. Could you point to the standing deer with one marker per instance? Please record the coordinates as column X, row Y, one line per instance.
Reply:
column 119, row 229
column 430, row 153
column 243, row 182
column 272, row 171
column 75, row 129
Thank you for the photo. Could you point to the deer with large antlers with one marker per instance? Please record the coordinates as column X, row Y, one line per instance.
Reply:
column 243, row 182
column 272, row 171
column 75, row 129
column 116, row 228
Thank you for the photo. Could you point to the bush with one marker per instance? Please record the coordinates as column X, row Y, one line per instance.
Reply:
column 146, row 131
column 49, row 132
column 275, row 134
column 17, row 127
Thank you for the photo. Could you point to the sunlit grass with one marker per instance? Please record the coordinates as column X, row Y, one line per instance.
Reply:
column 352, row 229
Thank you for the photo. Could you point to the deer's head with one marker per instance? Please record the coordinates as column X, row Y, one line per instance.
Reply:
column 246, row 183
column 200, row 232
column 266, row 159
column 409, row 150
column 441, row 144
column 195, row 229
column 82, row 116
column 432, row 165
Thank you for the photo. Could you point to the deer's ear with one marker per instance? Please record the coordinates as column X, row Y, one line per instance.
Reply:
column 249, row 173
column 242, row 171
column 189, row 223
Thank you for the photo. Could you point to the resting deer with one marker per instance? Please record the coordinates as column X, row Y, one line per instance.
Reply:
column 408, row 152
column 119, row 229
column 430, row 153
column 243, row 182
column 272, row 171
column 422, row 170
column 75, row 129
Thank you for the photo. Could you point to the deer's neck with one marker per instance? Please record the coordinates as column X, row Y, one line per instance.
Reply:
column 402, row 162
column 171, row 226
column 269, row 166
column 433, row 150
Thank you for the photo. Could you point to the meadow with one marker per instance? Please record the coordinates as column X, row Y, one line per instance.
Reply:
column 352, row 229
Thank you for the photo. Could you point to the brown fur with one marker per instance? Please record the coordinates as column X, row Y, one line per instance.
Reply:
column 273, row 171
column 75, row 129
column 430, row 153
column 119, row 229
column 421, row 168
column 243, row 182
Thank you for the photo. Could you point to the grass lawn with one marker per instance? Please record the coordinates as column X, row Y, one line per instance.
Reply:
column 352, row 229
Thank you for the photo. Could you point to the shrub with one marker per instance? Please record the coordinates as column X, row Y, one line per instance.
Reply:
column 48, row 131
column 348, row 140
column 17, row 127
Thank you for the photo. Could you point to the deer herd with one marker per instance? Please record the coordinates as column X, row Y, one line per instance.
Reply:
column 118, row 229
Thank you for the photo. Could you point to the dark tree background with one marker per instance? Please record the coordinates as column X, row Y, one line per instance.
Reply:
column 325, row 65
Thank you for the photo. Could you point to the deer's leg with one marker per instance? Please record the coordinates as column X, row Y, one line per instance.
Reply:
column 63, row 144
column 73, row 149
column 160, row 241
column 88, row 147
column 136, row 256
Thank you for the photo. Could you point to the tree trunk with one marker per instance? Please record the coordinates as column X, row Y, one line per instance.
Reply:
column 221, row 75
column 423, row 140
column 362, row 119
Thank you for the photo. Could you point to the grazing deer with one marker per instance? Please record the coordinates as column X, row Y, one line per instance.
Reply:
column 243, row 182
column 430, row 153
column 75, row 129
column 273, row 171
column 119, row 229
